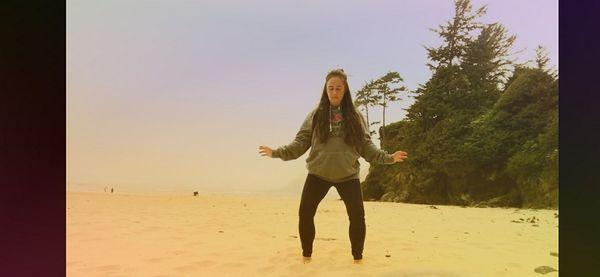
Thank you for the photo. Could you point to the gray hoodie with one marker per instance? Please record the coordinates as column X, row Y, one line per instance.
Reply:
column 334, row 161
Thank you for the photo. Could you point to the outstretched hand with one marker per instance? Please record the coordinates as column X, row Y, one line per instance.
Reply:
column 265, row 151
column 399, row 156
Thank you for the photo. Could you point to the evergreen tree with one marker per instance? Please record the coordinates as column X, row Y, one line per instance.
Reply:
column 476, row 133
column 456, row 35
column 541, row 60
column 366, row 97
column 387, row 89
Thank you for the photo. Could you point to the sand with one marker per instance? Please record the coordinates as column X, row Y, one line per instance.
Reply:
column 245, row 235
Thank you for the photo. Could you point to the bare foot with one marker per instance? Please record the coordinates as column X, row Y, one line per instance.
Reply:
column 306, row 259
column 358, row 261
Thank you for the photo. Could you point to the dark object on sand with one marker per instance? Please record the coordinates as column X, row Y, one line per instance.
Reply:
column 195, row 193
column 554, row 254
column 112, row 190
column 544, row 269
column 433, row 207
column 388, row 255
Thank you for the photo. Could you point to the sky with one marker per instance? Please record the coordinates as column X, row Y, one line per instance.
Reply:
column 176, row 96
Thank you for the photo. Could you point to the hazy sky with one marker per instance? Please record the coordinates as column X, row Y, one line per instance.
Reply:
column 176, row 96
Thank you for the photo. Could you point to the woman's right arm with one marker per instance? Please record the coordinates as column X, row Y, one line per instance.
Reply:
column 300, row 144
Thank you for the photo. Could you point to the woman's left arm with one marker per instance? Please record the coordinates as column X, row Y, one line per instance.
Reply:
column 370, row 152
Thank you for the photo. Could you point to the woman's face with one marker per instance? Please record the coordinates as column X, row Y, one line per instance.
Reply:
column 335, row 91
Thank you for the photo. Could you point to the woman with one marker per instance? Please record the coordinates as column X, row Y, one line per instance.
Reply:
column 338, row 136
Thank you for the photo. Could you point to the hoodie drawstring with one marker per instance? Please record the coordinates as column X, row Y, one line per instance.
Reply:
column 330, row 128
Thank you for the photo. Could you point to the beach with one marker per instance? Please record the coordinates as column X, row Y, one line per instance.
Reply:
column 257, row 235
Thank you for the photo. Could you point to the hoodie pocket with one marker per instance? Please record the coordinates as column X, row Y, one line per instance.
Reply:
column 334, row 165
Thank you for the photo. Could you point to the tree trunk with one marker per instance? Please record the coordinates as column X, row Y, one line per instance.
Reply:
column 382, row 135
column 368, row 124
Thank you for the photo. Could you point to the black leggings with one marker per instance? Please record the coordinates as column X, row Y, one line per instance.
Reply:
column 314, row 191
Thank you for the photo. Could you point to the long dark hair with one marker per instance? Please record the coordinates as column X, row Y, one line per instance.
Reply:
column 353, row 128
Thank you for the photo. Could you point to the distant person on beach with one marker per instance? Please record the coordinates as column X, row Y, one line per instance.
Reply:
column 337, row 135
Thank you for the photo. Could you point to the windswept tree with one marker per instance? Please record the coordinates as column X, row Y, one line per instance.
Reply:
column 456, row 35
column 440, row 96
column 541, row 61
column 366, row 97
column 387, row 88
column 541, row 57
column 487, row 65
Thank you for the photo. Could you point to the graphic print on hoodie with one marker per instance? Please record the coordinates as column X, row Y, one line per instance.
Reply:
column 335, row 120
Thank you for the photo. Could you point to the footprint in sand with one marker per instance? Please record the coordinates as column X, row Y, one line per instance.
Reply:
column 185, row 268
column 205, row 263
column 233, row 264
column 157, row 260
column 177, row 252
column 266, row 268
column 335, row 252
column 275, row 260
column 152, row 229
column 195, row 243
column 325, row 239
column 297, row 268
column 513, row 265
